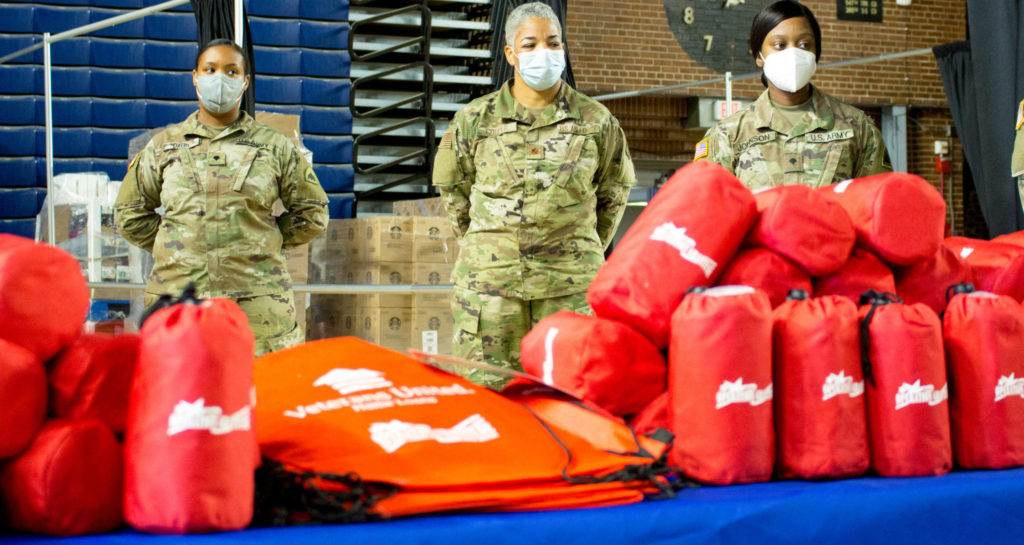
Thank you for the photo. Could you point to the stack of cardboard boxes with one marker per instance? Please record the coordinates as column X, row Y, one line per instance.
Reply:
column 382, row 251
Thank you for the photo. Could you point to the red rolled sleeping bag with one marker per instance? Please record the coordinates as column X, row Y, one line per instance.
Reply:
column 998, row 267
column 862, row 272
column 984, row 336
column 900, row 217
column 23, row 391
column 68, row 481
column 1016, row 238
column 598, row 360
column 683, row 238
column 720, row 386
column 803, row 225
column 190, row 444
column 767, row 271
column 43, row 296
column 653, row 416
column 93, row 377
column 927, row 281
column 820, row 418
column 905, row 371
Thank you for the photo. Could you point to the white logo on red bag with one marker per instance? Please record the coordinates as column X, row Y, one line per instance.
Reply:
column 916, row 393
column 197, row 416
column 841, row 186
column 838, row 384
column 392, row 435
column 966, row 251
column 737, row 392
column 347, row 381
column 677, row 238
column 1009, row 386
column 548, row 366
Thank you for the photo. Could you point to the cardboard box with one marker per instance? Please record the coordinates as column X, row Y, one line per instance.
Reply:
column 329, row 316
column 433, row 274
column 340, row 241
column 432, row 207
column 387, row 238
column 434, row 241
column 389, row 327
column 432, row 326
column 385, row 273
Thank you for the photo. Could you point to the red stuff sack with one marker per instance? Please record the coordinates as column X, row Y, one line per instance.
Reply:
column 652, row 417
column 904, row 366
column 767, row 271
column 927, row 281
column 68, row 481
column 43, row 296
column 190, row 445
column 93, row 377
column 804, row 225
column 720, row 386
column 998, row 267
column 23, row 391
column 598, row 360
column 862, row 272
column 900, row 217
column 984, row 336
column 820, row 418
column 683, row 238
column 1016, row 238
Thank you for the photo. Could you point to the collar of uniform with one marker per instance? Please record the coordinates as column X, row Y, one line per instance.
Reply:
column 195, row 128
column 565, row 107
column 821, row 116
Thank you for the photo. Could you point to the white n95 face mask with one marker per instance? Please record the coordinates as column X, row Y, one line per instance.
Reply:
column 789, row 69
column 218, row 92
column 541, row 69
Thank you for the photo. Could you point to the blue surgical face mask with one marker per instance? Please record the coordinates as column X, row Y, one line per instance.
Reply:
column 218, row 92
column 542, row 68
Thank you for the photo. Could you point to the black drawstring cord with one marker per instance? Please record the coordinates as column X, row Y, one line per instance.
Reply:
column 875, row 299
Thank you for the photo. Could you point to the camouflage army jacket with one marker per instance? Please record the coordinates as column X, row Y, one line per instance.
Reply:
column 832, row 143
column 535, row 200
column 217, row 190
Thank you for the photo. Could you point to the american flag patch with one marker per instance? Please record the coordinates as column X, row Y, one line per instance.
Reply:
column 701, row 150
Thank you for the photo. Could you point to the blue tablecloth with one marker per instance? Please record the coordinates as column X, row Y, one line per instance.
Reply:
column 963, row 507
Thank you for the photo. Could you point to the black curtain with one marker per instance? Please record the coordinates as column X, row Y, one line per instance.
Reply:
column 983, row 86
column 216, row 19
column 501, row 70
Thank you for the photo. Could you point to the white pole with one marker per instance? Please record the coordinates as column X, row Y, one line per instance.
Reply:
column 728, row 91
column 239, row 26
column 48, row 112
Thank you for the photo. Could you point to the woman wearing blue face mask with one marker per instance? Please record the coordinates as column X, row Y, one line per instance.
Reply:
column 217, row 175
column 793, row 133
column 534, row 178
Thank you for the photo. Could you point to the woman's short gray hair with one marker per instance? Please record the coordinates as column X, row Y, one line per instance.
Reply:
column 519, row 16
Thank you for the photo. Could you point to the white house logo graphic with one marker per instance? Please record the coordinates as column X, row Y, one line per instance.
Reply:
column 730, row 393
column 677, row 238
column 548, row 366
column 197, row 416
column 395, row 434
column 838, row 384
column 348, row 381
column 1009, row 386
column 918, row 394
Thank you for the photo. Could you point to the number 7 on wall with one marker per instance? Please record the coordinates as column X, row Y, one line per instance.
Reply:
column 708, row 38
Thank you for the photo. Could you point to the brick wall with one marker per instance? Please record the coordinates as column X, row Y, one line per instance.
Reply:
column 619, row 45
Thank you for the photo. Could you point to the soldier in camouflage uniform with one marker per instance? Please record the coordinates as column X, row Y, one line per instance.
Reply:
column 217, row 175
column 535, row 183
column 793, row 133
column 1017, row 160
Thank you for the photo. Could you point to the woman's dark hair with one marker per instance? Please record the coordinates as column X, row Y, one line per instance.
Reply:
column 227, row 42
column 771, row 16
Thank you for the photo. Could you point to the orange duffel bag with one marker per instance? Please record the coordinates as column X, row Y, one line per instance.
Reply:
column 381, row 434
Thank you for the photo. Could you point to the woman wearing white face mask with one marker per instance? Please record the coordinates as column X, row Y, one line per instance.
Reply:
column 534, row 178
column 217, row 175
column 793, row 133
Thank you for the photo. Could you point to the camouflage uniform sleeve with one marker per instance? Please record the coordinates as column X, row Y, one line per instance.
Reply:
column 453, row 174
column 717, row 148
column 305, row 202
column 874, row 158
column 138, row 199
column 614, row 178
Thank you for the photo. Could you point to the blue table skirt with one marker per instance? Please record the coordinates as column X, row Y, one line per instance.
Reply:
column 963, row 507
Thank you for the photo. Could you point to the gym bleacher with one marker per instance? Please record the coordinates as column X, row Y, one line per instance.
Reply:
column 115, row 83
